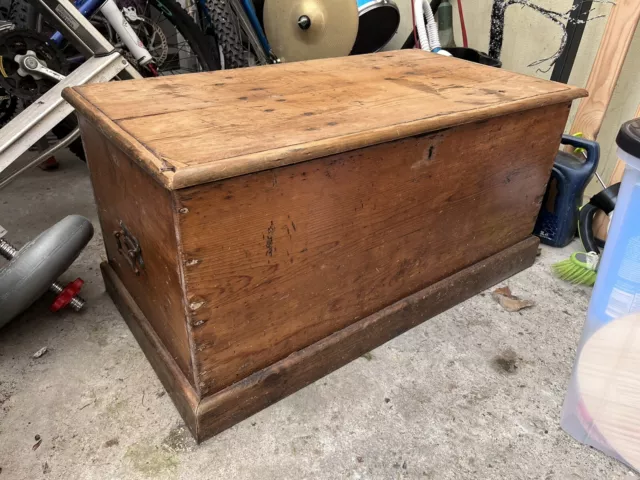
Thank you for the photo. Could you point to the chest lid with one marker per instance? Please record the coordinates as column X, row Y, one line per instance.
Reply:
column 191, row 129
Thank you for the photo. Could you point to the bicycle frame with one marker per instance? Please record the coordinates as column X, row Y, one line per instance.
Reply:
column 249, row 23
column 87, row 8
column 249, row 9
column 103, row 63
column 118, row 22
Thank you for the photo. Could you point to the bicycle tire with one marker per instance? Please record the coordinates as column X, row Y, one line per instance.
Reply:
column 8, row 102
column 227, row 32
column 21, row 14
column 8, row 107
column 201, row 44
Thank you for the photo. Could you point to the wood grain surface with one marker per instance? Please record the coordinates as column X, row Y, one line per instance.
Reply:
column 228, row 407
column 124, row 192
column 210, row 415
column 277, row 260
column 248, row 120
column 615, row 43
column 608, row 373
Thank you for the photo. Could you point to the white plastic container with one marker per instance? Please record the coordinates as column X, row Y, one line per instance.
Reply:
column 616, row 295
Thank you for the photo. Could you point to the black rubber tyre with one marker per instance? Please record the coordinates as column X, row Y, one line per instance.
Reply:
column 8, row 106
column 201, row 44
column 22, row 14
column 8, row 102
column 227, row 32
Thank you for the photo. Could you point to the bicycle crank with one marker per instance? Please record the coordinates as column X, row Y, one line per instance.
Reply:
column 29, row 64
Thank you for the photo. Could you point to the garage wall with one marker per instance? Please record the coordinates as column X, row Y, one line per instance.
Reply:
column 528, row 37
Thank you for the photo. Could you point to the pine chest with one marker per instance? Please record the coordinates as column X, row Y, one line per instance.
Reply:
column 268, row 225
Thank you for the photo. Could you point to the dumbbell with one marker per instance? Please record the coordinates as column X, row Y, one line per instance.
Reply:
column 34, row 269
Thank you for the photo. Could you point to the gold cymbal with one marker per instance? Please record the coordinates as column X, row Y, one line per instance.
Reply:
column 308, row 29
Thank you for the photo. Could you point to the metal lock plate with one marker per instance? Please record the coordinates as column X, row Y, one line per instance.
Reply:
column 129, row 248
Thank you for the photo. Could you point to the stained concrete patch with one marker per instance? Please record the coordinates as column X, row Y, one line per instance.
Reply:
column 179, row 439
column 506, row 362
column 112, row 442
column 152, row 460
column 114, row 409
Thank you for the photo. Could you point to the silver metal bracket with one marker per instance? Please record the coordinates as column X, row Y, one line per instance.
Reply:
column 103, row 64
column 50, row 109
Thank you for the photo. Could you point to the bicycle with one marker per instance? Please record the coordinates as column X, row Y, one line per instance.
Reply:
column 157, row 37
column 151, row 32
column 83, row 53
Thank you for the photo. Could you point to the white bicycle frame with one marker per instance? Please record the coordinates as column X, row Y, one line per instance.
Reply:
column 122, row 27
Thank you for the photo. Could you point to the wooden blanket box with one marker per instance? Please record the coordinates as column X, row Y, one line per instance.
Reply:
column 265, row 226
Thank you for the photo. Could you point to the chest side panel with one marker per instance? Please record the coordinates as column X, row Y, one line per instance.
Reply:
column 124, row 192
column 277, row 260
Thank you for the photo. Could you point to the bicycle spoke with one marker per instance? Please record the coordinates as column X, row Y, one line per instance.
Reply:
column 156, row 20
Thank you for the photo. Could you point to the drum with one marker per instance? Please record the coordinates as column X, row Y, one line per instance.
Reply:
column 379, row 21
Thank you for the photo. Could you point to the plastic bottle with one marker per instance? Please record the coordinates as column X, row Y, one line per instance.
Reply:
column 616, row 293
column 445, row 24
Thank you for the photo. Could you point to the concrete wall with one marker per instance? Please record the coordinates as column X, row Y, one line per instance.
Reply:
column 530, row 36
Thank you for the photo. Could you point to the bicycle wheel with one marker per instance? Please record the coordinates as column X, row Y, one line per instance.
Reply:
column 172, row 37
column 227, row 32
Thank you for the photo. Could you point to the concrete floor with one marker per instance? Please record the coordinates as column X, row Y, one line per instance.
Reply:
column 433, row 403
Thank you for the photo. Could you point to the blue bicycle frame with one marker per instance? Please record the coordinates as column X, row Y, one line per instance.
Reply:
column 255, row 23
column 87, row 8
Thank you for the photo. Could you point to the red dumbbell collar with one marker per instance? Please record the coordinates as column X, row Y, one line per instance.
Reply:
column 65, row 297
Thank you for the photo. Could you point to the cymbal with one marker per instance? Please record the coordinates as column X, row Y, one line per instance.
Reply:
column 308, row 29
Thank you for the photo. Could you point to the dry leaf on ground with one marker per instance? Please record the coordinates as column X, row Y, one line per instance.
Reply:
column 38, row 442
column 508, row 301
